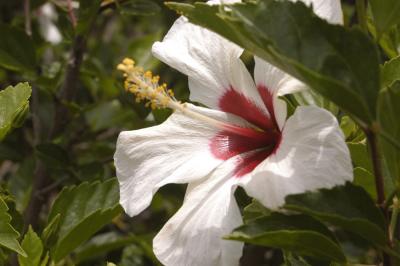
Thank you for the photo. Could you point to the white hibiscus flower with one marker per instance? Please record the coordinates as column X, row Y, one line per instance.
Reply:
column 243, row 139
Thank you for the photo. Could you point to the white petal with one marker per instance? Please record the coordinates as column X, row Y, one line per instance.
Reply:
column 312, row 155
column 278, row 83
column 176, row 151
column 275, row 80
column 193, row 236
column 212, row 63
column 331, row 10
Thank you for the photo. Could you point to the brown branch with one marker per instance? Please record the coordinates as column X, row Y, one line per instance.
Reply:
column 376, row 163
column 379, row 183
column 67, row 93
column 71, row 13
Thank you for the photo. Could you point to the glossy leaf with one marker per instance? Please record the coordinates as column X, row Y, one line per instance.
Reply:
column 83, row 211
column 300, row 234
column 33, row 247
column 8, row 235
column 332, row 60
column 389, row 110
column 349, row 207
column 13, row 104
column 102, row 244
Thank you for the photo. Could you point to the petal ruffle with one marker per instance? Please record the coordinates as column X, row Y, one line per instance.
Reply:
column 212, row 63
column 275, row 80
column 193, row 236
column 176, row 151
column 272, row 82
column 312, row 155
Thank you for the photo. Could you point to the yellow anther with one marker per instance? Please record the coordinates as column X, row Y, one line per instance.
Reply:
column 121, row 67
column 145, row 86
column 148, row 74
column 128, row 61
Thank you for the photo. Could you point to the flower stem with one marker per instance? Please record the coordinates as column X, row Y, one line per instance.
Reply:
column 362, row 15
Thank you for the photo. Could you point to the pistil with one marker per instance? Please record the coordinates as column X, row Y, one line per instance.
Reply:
column 146, row 87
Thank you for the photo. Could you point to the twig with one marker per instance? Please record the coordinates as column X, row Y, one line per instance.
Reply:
column 27, row 13
column 71, row 13
column 111, row 4
column 70, row 84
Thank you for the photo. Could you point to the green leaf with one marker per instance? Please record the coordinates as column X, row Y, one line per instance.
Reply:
column 360, row 155
column 310, row 97
column 389, row 119
column 349, row 207
column 366, row 180
column 351, row 131
column 20, row 185
column 390, row 72
column 109, row 114
column 33, row 247
column 49, row 236
column 13, row 104
column 140, row 50
column 17, row 50
column 386, row 13
column 83, row 211
column 8, row 235
column 296, row 233
column 101, row 244
column 332, row 60
column 254, row 210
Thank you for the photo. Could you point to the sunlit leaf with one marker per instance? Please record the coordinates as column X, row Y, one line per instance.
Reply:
column 33, row 247
column 13, row 106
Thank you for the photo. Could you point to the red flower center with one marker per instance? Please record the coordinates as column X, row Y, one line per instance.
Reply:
column 254, row 146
